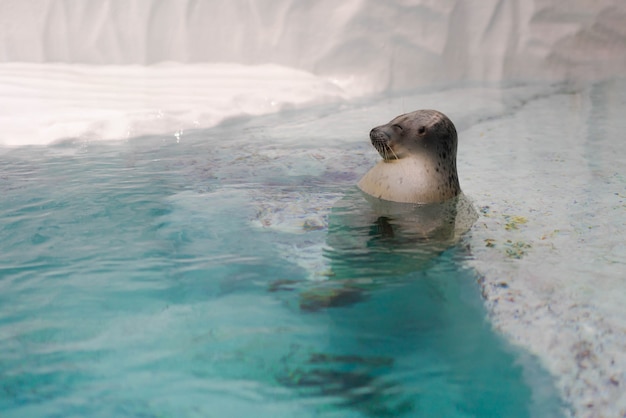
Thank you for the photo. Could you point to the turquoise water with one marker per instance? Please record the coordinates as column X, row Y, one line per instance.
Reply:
column 135, row 282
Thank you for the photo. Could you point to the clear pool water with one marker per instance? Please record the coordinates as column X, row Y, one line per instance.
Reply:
column 159, row 277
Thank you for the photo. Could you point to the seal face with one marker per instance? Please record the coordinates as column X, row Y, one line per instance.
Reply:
column 419, row 159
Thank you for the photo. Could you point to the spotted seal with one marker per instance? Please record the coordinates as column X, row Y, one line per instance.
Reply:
column 419, row 159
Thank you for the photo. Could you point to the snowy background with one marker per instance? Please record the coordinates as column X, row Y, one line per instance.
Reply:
column 364, row 44
column 326, row 50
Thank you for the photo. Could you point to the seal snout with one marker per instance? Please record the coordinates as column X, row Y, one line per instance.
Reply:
column 380, row 140
column 379, row 135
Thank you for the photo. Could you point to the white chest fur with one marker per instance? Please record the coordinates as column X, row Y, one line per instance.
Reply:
column 409, row 180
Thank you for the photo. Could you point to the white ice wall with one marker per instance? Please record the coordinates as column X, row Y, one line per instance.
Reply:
column 377, row 44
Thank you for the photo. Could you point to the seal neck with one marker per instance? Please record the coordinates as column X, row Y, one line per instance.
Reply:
column 415, row 179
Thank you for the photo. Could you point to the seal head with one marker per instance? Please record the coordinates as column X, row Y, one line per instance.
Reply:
column 419, row 159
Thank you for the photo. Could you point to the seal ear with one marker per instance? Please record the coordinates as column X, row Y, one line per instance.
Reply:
column 421, row 130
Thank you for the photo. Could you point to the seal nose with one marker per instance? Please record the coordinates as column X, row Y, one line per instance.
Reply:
column 378, row 135
column 380, row 140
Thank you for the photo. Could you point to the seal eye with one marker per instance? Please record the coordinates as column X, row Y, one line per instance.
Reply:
column 421, row 130
column 397, row 127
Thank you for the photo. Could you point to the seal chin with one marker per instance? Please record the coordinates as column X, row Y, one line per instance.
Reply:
column 380, row 141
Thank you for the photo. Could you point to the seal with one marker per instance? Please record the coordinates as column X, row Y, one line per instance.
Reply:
column 419, row 159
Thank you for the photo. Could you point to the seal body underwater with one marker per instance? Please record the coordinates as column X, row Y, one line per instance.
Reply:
column 419, row 159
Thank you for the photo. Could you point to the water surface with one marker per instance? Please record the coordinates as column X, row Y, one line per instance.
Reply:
column 155, row 277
